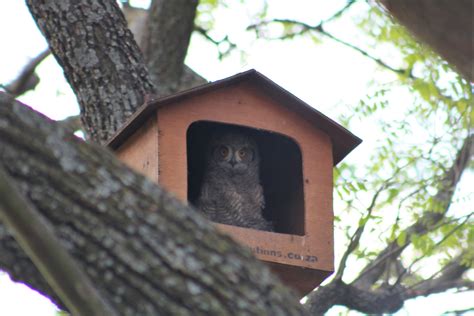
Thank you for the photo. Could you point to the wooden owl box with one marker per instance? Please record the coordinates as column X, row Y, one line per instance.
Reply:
column 298, row 146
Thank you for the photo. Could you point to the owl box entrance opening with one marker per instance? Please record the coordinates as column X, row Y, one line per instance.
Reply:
column 280, row 172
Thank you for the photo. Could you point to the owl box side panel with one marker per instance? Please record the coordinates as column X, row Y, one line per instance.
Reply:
column 140, row 151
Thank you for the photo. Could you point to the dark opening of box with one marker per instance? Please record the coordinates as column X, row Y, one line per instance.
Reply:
column 280, row 173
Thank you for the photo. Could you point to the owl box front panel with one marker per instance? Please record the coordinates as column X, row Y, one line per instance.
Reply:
column 257, row 130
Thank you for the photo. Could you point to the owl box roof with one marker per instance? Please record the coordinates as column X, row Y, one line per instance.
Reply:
column 343, row 140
